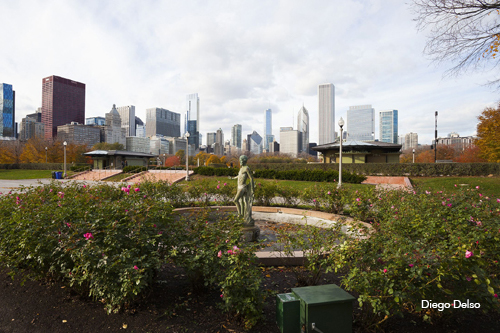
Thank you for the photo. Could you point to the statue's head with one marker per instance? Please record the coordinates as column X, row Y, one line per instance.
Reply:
column 243, row 159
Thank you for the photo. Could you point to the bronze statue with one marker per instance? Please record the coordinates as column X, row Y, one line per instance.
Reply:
column 245, row 193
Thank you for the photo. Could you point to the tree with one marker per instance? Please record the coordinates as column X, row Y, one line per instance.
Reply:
column 172, row 161
column 107, row 146
column 180, row 154
column 470, row 154
column 466, row 32
column 213, row 159
column 488, row 135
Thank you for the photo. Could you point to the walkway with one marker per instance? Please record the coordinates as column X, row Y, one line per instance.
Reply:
column 171, row 176
column 399, row 183
column 95, row 175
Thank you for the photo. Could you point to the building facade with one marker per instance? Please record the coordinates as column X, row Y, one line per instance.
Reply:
column 410, row 141
column 303, row 127
column 127, row 115
column 194, row 135
column 193, row 111
column 255, row 143
column 97, row 121
column 140, row 145
column 457, row 142
column 159, row 145
column 290, row 141
column 7, row 111
column 162, row 121
column 79, row 134
column 326, row 113
column 236, row 136
column 388, row 126
column 268, row 129
column 360, row 121
column 63, row 102
column 112, row 131
column 30, row 128
column 219, row 143
column 211, row 138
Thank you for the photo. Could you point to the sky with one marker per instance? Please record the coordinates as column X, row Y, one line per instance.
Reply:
column 241, row 57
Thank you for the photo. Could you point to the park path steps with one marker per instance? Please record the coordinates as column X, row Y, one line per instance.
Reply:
column 95, row 175
column 399, row 183
column 171, row 176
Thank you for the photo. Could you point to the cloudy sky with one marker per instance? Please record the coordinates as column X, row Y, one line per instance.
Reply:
column 241, row 57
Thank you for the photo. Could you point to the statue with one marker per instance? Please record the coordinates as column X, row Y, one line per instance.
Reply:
column 244, row 200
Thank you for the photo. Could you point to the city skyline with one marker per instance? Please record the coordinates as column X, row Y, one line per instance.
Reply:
column 371, row 52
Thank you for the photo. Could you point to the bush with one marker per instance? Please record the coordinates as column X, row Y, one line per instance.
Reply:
column 80, row 167
column 220, row 172
column 309, row 175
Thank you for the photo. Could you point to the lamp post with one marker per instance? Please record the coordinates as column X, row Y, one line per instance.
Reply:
column 341, row 124
column 413, row 155
column 46, row 154
column 65, row 144
column 187, row 156
column 435, row 136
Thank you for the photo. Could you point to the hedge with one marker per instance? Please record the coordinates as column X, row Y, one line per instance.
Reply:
column 33, row 166
column 209, row 171
column 394, row 169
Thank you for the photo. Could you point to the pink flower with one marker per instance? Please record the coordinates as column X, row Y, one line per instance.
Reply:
column 154, row 225
column 69, row 225
column 225, row 184
column 468, row 278
column 498, row 200
column 449, row 205
column 314, row 200
column 219, row 254
column 455, row 185
column 357, row 199
column 135, row 267
column 427, row 192
column 477, row 187
column 496, row 296
column 468, row 254
column 479, row 223
column 331, row 193
column 218, row 187
column 411, row 265
column 221, row 295
column 229, row 251
column 145, row 196
column 61, row 194
column 136, row 189
column 385, row 270
column 88, row 236
column 84, row 186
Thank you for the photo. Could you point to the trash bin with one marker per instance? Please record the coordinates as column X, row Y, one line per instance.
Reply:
column 53, row 175
column 58, row 175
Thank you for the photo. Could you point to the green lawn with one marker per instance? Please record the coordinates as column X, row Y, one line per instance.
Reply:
column 489, row 186
column 25, row 174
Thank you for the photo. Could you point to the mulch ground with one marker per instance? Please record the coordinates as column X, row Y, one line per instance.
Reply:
column 172, row 306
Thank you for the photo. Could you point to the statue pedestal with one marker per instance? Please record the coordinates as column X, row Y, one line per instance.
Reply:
column 250, row 233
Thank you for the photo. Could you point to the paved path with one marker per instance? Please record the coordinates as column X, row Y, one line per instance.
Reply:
column 7, row 185
column 400, row 183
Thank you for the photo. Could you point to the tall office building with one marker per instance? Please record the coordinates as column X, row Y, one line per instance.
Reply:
column 236, row 136
column 7, row 110
column 254, row 142
column 63, row 102
column 388, row 126
column 268, row 130
column 219, row 143
column 360, row 121
column 127, row 115
column 411, row 141
column 140, row 128
column 326, row 113
column 303, row 127
column 193, row 110
column 162, row 121
column 211, row 138
column 113, row 131
column 32, row 126
column 290, row 141
column 194, row 136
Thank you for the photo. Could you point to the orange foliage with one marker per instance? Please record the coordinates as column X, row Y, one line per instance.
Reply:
column 172, row 161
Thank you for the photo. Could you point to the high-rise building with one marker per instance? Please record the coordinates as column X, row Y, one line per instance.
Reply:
column 162, row 121
column 268, row 130
column 388, row 126
column 326, row 113
column 63, row 102
column 32, row 126
column 98, row 121
column 194, row 136
column 219, row 143
column 112, row 131
column 411, row 141
column 140, row 128
column 255, row 143
column 79, row 134
column 360, row 121
column 7, row 111
column 193, row 110
column 140, row 145
column 303, row 127
column 211, row 138
column 290, row 141
column 236, row 136
column 127, row 115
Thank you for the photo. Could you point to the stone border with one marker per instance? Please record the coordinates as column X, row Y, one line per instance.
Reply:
column 291, row 215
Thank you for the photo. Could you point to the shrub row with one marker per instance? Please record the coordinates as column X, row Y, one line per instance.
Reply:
column 33, row 166
column 221, row 172
column 395, row 169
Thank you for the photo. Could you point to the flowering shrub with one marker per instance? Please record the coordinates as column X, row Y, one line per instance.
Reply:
column 427, row 246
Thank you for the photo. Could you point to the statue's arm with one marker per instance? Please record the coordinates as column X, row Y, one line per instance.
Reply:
column 250, row 176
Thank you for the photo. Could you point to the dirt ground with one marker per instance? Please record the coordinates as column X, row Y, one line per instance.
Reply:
column 171, row 306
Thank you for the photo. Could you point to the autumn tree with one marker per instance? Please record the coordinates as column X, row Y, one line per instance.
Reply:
column 172, row 161
column 470, row 154
column 213, row 159
column 10, row 151
column 180, row 154
column 488, row 133
column 467, row 32
column 202, row 157
column 107, row 146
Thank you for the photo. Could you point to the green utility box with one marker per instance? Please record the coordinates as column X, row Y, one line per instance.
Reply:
column 288, row 313
column 326, row 308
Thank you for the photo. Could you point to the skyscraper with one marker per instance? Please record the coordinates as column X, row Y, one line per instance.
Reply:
column 268, row 130
column 326, row 113
column 303, row 127
column 63, row 102
column 411, row 141
column 236, row 136
column 194, row 136
column 388, row 126
column 360, row 121
column 219, row 143
column 7, row 110
column 211, row 138
column 127, row 115
column 162, row 121
column 254, row 142
column 193, row 110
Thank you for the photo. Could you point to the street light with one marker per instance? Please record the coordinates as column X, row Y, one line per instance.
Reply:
column 65, row 144
column 46, row 154
column 187, row 156
column 435, row 136
column 413, row 155
column 341, row 124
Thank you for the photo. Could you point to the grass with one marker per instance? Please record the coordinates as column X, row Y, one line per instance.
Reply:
column 489, row 186
column 15, row 174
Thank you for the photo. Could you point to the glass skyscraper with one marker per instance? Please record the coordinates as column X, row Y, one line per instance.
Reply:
column 63, row 102
column 388, row 126
column 7, row 110
column 236, row 136
column 326, row 113
column 268, row 130
column 162, row 121
column 303, row 127
column 193, row 110
column 360, row 121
